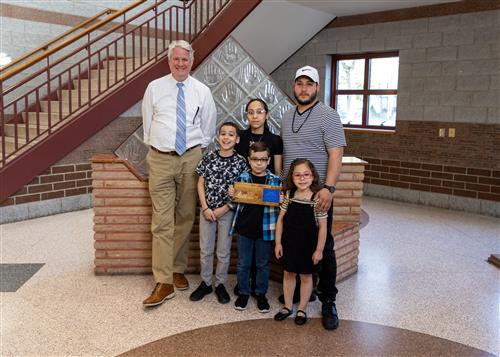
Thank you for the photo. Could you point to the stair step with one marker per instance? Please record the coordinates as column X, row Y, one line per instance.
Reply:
column 113, row 75
column 10, row 130
column 54, row 106
column 43, row 118
column 120, row 63
column 10, row 143
column 84, row 95
column 94, row 85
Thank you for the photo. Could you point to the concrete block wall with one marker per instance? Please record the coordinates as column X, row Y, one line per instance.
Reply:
column 449, row 65
column 448, row 78
column 32, row 33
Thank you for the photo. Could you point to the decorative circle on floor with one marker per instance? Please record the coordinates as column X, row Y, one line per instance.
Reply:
column 266, row 337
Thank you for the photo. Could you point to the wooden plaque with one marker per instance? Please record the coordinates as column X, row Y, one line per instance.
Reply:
column 256, row 194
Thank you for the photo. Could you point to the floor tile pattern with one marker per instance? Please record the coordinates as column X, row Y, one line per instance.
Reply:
column 13, row 276
column 421, row 269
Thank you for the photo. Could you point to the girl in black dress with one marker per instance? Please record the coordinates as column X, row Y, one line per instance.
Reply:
column 300, row 236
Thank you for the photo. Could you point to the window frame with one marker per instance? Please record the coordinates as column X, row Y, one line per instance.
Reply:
column 365, row 92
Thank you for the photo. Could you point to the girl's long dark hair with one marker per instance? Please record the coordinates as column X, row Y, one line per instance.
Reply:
column 290, row 186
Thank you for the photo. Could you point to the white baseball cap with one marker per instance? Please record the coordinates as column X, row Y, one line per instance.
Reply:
column 308, row 71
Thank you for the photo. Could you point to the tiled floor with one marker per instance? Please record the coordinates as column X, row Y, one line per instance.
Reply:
column 421, row 269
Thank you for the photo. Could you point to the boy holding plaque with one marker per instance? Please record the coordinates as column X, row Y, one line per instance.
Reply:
column 255, row 225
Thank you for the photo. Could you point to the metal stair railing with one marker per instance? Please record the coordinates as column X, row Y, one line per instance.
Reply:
column 68, row 79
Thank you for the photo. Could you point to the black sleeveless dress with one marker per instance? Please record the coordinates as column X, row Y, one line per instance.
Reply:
column 299, row 238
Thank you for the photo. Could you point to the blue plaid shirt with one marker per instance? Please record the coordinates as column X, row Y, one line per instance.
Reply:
column 270, row 212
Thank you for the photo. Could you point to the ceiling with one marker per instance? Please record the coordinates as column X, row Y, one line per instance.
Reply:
column 278, row 28
column 356, row 7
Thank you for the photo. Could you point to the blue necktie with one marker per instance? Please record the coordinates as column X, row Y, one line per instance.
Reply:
column 180, row 134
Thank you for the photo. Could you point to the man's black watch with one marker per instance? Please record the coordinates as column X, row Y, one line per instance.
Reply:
column 330, row 188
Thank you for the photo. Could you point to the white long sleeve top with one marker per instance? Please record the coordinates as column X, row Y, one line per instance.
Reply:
column 159, row 113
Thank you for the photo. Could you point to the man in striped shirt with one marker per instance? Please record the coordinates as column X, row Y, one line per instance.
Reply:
column 314, row 131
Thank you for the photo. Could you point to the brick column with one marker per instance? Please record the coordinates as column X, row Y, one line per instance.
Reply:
column 122, row 217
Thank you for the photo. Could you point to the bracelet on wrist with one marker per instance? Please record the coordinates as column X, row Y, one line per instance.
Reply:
column 205, row 209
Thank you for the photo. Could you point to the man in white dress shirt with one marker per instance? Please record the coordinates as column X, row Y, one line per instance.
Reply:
column 179, row 117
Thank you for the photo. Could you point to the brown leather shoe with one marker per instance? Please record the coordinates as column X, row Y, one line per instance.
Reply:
column 160, row 293
column 180, row 281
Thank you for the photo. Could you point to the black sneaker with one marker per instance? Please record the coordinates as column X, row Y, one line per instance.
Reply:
column 222, row 295
column 262, row 303
column 241, row 302
column 329, row 315
column 200, row 292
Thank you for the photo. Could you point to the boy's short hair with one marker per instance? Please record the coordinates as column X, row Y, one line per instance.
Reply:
column 259, row 146
column 229, row 123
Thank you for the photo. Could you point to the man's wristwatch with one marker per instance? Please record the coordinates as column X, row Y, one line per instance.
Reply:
column 330, row 188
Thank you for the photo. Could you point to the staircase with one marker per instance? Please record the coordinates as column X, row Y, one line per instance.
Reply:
column 52, row 114
column 46, row 114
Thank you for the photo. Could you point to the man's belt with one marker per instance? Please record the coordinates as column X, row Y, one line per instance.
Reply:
column 173, row 152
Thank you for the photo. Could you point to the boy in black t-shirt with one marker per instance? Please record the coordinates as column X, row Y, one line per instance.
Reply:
column 217, row 170
column 255, row 225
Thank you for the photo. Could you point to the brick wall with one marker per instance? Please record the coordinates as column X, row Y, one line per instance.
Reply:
column 466, row 166
column 452, row 180
column 122, row 217
column 55, row 182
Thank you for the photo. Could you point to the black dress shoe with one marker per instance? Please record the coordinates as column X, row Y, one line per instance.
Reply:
column 222, row 295
column 329, row 316
column 300, row 317
column 283, row 314
column 200, row 292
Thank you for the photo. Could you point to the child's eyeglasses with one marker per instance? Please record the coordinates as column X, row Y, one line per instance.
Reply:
column 258, row 159
column 256, row 111
column 305, row 175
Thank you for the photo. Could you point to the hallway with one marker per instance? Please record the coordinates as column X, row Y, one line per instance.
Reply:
column 421, row 270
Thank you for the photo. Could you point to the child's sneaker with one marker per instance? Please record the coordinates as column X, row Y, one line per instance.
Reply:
column 241, row 302
column 262, row 303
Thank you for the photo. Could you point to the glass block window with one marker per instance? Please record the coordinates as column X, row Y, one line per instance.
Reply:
column 233, row 77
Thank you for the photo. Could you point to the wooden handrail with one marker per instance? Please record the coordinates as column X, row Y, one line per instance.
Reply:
column 46, row 45
column 68, row 42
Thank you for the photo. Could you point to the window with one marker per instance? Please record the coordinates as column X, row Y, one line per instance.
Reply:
column 365, row 89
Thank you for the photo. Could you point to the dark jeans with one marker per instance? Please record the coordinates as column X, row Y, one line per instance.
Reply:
column 245, row 252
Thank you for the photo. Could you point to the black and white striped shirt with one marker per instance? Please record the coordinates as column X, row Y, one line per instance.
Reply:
column 309, row 135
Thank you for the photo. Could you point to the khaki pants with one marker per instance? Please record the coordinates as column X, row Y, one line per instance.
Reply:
column 172, row 186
